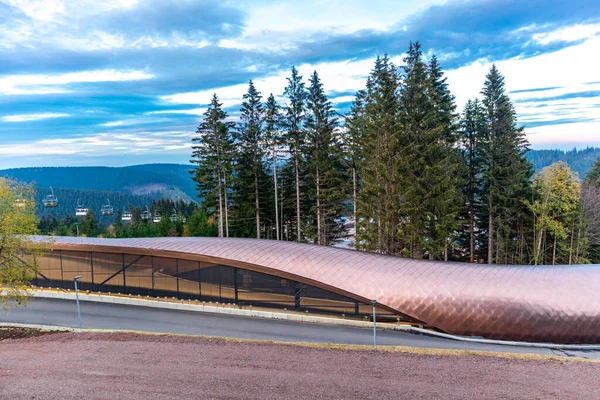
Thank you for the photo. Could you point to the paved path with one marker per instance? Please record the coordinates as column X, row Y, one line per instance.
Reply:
column 113, row 316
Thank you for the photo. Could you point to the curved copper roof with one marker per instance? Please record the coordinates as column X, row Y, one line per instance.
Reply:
column 532, row 303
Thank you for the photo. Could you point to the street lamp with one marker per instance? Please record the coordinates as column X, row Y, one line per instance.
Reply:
column 78, row 277
column 77, row 226
column 374, row 323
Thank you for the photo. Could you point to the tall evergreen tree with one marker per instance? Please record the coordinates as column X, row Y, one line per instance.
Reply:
column 430, row 162
column 250, row 166
column 324, row 164
column 274, row 140
column 472, row 132
column 443, row 100
column 507, row 173
column 355, row 141
column 211, row 152
column 378, row 219
column 295, row 134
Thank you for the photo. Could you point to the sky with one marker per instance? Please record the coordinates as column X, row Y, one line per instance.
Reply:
column 122, row 82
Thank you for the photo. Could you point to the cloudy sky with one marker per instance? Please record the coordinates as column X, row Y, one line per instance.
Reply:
column 120, row 82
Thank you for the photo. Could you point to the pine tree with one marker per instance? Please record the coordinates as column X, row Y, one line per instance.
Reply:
column 273, row 139
column 506, row 173
column 295, row 135
column 250, row 167
column 212, row 154
column 324, row 164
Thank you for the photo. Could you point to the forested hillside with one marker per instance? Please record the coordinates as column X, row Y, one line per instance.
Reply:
column 134, row 186
column 135, row 179
column 579, row 161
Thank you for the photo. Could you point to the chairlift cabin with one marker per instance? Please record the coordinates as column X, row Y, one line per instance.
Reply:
column 156, row 217
column 126, row 217
column 81, row 211
column 107, row 209
column 146, row 215
column 176, row 216
column 50, row 200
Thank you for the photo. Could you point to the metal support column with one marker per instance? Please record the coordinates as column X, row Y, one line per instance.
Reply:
column 235, row 283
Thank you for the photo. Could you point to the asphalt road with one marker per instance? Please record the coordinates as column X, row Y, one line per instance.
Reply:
column 114, row 316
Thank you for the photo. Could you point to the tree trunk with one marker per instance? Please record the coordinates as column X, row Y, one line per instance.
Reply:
column 276, row 198
column 472, row 236
column 354, row 194
column 490, row 232
column 554, row 250
column 225, row 205
column 220, row 197
column 572, row 238
column 257, row 204
column 297, row 168
column 318, row 207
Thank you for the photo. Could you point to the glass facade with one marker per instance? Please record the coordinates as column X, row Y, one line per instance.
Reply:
column 191, row 280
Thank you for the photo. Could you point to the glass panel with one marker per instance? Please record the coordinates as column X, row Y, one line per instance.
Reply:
column 49, row 265
column 138, row 273
column 211, row 278
column 76, row 263
column 257, row 288
column 189, row 279
column 105, row 265
column 165, row 272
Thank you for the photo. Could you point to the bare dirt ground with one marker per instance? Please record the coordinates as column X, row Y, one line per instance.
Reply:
column 95, row 365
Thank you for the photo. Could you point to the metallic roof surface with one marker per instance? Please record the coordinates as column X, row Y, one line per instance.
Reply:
column 531, row 303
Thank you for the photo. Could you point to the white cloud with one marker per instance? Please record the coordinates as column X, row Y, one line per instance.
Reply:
column 103, row 144
column 566, row 71
column 340, row 76
column 32, row 117
column 192, row 111
column 568, row 34
column 47, row 83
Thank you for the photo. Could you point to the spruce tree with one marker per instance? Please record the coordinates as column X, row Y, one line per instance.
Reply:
column 472, row 131
column 354, row 142
column 295, row 136
column 430, row 162
column 324, row 164
column 250, row 168
column 211, row 152
column 378, row 218
column 506, row 175
column 273, row 140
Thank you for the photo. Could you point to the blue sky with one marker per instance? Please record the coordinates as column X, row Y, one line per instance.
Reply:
column 119, row 82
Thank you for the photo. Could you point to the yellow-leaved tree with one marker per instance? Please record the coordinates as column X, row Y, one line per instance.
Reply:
column 19, row 251
column 558, row 218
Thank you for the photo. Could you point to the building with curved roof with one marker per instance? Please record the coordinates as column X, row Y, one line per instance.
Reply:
column 558, row 304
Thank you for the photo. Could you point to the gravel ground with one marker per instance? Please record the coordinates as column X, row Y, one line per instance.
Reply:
column 132, row 366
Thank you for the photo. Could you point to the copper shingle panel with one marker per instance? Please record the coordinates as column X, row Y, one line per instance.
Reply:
column 543, row 303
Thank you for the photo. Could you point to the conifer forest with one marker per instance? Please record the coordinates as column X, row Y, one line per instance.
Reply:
column 404, row 169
